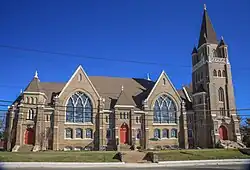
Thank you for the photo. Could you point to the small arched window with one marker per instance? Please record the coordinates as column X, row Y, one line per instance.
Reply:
column 221, row 94
column 137, row 119
column 215, row 73
column 68, row 133
column 164, row 81
column 106, row 118
column 214, row 53
column 27, row 100
column 32, row 100
column 79, row 133
column 174, row 133
column 224, row 73
column 190, row 133
column 219, row 73
column 35, row 100
column 165, row 133
column 89, row 133
column 120, row 115
column 138, row 133
column 157, row 133
column 124, row 115
column 80, row 77
column 108, row 134
column 30, row 115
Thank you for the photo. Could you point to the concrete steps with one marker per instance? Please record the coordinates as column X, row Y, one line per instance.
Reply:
column 125, row 147
column 26, row 148
column 231, row 144
column 134, row 157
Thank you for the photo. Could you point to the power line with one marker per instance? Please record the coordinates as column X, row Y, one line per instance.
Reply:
column 88, row 57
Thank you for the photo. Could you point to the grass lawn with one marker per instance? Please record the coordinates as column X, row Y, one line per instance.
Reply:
column 57, row 156
column 175, row 155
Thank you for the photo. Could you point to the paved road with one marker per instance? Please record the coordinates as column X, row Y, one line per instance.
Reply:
column 221, row 167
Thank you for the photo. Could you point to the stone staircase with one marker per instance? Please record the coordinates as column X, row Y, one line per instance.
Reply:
column 231, row 144
column 26, row 148
column 125, row 147
column 133, row 157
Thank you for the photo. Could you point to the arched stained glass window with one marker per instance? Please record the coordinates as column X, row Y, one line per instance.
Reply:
column 165, row 110
column 157, row 133
column 174, row 133
column 165, row 133
column 79, row 108
column 79, row 133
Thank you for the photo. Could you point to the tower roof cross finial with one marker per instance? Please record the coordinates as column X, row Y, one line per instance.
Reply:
column 205, row 7
column 36, row 74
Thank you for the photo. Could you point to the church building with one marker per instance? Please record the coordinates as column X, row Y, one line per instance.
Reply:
column 95, row 113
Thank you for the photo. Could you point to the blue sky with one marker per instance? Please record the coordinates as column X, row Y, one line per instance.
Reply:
column 152, row 31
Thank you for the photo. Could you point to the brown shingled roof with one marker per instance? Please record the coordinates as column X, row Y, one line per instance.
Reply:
column 33, row 86
column 110, row 88
column 207, row 32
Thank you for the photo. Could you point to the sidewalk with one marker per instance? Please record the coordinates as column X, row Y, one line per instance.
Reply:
column 122, row 164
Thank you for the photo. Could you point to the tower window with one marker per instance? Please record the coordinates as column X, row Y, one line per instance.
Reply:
column 221, row 94
column 106, row 118
column 219, row 73
column 215, row 73
column 224, row 73
column 214, row 53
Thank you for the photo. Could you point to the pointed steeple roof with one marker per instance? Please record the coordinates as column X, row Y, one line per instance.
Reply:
column 34, row 85
column 123, row 99
column 194, row 50
column 207, row 32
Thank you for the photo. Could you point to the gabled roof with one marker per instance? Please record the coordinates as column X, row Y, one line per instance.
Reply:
column 135, row 90
column 33, row 86
column 123, row 99
column 222, row 42
column 207, row 32
column 194, row 50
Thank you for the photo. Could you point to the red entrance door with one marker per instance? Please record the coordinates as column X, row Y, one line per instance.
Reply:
column 223, row 133
column 29, row 136
column 124, row 133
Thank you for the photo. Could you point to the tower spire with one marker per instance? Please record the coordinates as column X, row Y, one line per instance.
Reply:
column 207, row 32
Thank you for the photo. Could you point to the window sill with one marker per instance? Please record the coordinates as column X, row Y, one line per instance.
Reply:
column 161, row 124
column 78, row 139
column 73, row 123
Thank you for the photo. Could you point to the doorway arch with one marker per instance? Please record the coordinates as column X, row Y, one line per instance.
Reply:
column 124, row 133
column 29, row 136
column 223, row 133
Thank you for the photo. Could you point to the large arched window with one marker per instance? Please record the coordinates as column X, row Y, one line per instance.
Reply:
column 79, row 108
column 165, row 110
column 221, row 94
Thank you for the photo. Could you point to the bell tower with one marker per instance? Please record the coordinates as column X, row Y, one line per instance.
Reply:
column 213, row 93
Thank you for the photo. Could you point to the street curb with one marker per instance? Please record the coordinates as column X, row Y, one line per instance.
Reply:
column 123, row 164
column 205, row 162
column 59, row 164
